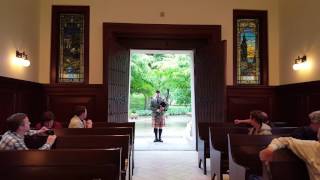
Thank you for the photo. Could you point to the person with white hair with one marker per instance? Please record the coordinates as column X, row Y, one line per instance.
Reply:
column 306, row 150
column 309, row 132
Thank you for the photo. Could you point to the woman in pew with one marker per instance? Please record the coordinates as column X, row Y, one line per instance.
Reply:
column 256, row 120
column 79, row 118
column 307, row 150
column 48, row 121
column 19, row 126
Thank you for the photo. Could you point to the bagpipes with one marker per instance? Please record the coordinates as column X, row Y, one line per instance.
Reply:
column 165, row 103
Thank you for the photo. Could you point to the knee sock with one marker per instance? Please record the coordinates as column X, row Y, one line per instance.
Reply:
column 160, row 132
column 155, row 130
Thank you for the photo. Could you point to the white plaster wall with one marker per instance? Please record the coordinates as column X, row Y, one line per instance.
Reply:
column 299, row 35
column 148, row 11
column 19, row 30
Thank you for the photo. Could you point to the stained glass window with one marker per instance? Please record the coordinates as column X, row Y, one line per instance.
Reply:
column 248, row 59
column 71, row 48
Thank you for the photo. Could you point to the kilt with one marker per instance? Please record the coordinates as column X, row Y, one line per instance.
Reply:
column 158, row 121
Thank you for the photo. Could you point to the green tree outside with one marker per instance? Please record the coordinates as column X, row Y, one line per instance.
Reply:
column 166, row 72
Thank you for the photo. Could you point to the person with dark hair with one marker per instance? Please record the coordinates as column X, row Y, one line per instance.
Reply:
column 257, row 120
column 309, row 132
column 79, row 118
column 48, row 121
column 158, row 107
column 19, row 126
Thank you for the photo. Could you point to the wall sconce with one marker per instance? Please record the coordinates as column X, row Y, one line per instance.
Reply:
column 22, row 59
column 300, row 63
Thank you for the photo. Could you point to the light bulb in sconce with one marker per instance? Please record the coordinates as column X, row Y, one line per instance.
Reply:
column 22, row 59
column 300, row 63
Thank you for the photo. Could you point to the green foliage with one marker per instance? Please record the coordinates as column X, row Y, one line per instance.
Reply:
column 136, row 102
column 144, row 112
column 150, row 72
column 178, row 110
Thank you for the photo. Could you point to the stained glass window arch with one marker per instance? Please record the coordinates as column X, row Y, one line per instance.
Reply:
column 250, row 48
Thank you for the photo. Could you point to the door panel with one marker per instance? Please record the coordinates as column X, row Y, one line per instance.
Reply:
column 118, row 83
column 210, row 82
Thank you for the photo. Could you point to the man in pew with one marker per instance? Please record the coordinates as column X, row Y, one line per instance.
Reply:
column 309, row 132
column 79, row 118
column 307, row 150
column 19, row 126
column 256, row 120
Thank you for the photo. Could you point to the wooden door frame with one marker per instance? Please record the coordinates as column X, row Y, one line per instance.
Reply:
column 158, row 37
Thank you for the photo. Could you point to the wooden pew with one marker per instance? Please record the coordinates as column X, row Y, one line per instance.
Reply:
column 203, row 142
column 123, row 124
column 75, row 164
column 101, row 131
column 283, row 130
column 96, row 131
column 243, row 151
column 219, row 149
column 99, row 142
column 285, row 165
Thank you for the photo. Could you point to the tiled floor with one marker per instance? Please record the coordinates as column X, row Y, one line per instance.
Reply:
column 176, row 134
column 168, row 165
column 168, row 144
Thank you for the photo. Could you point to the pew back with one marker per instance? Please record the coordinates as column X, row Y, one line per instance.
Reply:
column 219, row 148
column 103, row 164
column 95, row 142
column 101, row 124
column 283, row 130
column 96, row 131
column 285, row 165
column 244, row 154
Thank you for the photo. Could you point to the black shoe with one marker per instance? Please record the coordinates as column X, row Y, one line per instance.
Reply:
column 155, row 140
column 160, row 140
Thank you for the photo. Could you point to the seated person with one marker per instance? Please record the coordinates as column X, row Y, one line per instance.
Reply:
column 19, row 126
column 309, row 132
column 256, row 120
column 307, row 150
column 48, row 121
column 78, row 120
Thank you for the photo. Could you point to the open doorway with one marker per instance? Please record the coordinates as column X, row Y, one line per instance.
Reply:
column 172, row 73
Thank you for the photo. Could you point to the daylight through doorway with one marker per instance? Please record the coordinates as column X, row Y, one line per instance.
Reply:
column 170, row 72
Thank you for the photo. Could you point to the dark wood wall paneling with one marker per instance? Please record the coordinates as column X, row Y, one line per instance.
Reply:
column 241, row 100
column 61, row 99
column 289, row 103
column 34, row 98
column 20, row 96
column 296, row 101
